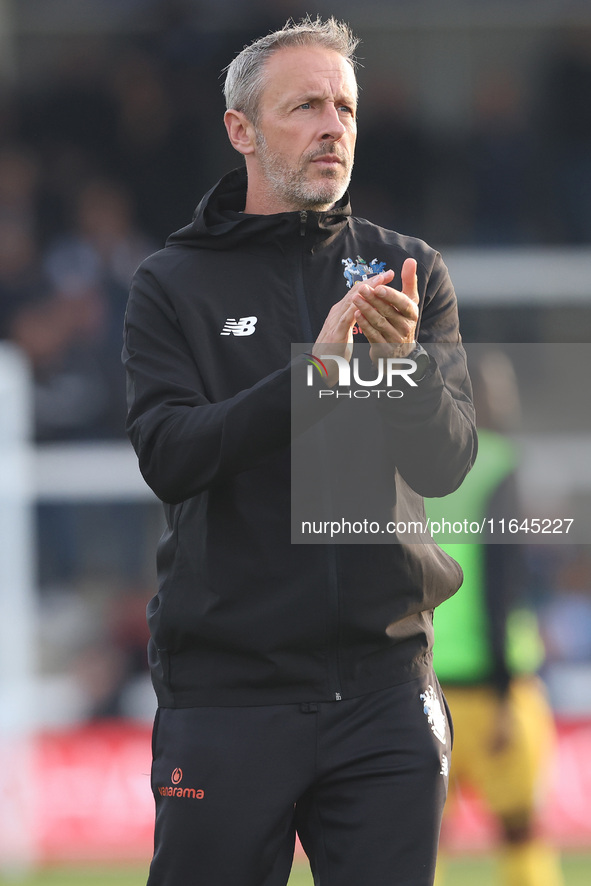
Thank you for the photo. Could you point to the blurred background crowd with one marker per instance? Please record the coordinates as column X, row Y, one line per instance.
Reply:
column 474, row 131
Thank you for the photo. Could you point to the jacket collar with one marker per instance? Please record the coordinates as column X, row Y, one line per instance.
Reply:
column 220, row 223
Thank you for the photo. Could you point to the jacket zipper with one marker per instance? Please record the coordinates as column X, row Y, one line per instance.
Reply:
column 303, row 222
column 334, row 598
column 305, row 322
column 333, row 582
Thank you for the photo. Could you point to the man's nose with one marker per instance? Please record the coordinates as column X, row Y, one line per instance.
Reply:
column 332, row 125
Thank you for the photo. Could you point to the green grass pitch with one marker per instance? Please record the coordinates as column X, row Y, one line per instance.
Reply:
column 461, row 872
column 480, row 870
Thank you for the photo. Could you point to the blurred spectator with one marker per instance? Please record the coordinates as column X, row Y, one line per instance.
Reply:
column 65, row 308
column 21, row 279
column 389, row 184
column 498, row 165
column 564, row 138
column 19, row 174
column 111, row 671
column 92, row 647
column 100, row 252
column 566, row 616
column 68, row 118
column 152, row 148
column 70, row 396
column 488, row 650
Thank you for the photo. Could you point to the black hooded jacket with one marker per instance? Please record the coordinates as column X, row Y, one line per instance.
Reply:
column 243, row 616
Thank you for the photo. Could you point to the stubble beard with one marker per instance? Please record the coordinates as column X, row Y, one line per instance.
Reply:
column 290, row 184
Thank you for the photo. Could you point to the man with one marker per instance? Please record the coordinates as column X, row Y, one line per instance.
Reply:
column 294, row 682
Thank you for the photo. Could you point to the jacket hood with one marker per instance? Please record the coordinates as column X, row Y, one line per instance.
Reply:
column 219, row 221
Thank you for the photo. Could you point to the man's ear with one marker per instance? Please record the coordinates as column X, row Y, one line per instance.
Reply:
column 240, row 131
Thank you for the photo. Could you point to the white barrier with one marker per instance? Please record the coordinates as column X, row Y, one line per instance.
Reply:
column 17, row 609
column 88, row 472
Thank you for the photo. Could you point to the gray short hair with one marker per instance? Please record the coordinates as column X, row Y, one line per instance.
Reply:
column 245, row 75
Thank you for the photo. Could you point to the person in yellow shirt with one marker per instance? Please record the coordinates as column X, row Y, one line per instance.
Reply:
column 487, row 651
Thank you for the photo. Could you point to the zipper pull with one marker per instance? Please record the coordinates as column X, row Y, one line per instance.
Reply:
column 303, row 221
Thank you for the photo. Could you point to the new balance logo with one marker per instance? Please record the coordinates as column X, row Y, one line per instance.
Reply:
column 244, row 326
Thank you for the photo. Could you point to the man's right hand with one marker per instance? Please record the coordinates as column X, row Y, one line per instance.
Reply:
column 336, row 335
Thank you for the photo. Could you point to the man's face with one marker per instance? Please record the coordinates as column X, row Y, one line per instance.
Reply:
column 305, row 137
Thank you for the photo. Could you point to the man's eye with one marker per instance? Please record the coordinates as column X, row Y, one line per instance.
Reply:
column 305, row 106
column 346, row 109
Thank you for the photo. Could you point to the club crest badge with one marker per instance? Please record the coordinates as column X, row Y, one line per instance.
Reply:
column 434, row 713
column 357, row 271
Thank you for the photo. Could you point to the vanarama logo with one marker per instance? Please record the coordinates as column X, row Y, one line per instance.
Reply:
column 388, row 369
column 176, row 791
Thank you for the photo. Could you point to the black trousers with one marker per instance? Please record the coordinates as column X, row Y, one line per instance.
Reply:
column 362, row 781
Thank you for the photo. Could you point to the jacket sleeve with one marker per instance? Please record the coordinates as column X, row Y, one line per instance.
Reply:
column 432, row 429
column 184, row 442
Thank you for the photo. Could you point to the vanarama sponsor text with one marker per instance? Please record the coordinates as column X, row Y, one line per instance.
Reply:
column 191, row 793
